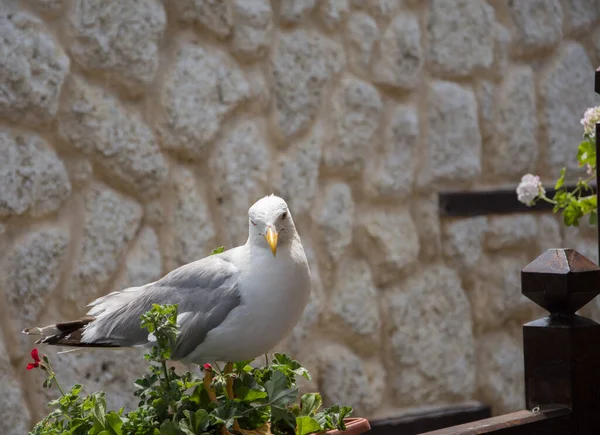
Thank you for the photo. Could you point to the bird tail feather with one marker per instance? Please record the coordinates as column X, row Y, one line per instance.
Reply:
column 66, row 334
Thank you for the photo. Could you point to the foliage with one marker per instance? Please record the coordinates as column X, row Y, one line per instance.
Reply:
column 181, row 404
column 581, row 201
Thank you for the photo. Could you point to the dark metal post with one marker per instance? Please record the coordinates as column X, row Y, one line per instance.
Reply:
column 562, row 351
column 597, row 90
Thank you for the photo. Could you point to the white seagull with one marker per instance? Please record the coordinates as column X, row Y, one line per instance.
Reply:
column 232, row 306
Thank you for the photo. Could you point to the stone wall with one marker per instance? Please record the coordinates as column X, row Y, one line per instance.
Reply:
column 135, row 134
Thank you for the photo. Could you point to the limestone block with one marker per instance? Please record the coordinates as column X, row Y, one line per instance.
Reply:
column 32, row 273
column 297, row 174
column 119, row 40
column 511, row 231
column 189, row 230
column 427, row 219
column 14, row 414
column 537, row 23
column 215, row 16
column 401, row 56
column 390, row 242
column 565, row 89
column 95, row 123
column 463, row 241
column 500, row 371
column 549, row 233
column 514, row 148
column 502, row 44
column 355, row 117
column 345, row 378
column 381, row 9
column 354, row 309
column 33, row 179
column 460, row 37
column 334, row 218
column 33, row 68
column 495, row 291
column 109, row 224
column 253, row 26
column 362, row 35
column 294, row 11
column 485, row 92
column 143, row 263
column 581, row 14
column 392, row 173
column 201, row 88
column 333, row 13
column 453, row 151
column 431, row 347
column 240, row 166
column 302, row 65
column 49, row 7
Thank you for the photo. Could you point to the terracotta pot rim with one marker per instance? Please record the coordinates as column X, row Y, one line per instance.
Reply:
column 354, row 426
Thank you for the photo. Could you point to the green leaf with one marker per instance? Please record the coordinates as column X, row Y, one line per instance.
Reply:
column 571, row 214
column 278, row 393
column 586, row 153
column 169, row 427
column 561, row 180
column 115, row 422
column 593, row 219
column 310, row 404
column 246, row 389
column 306, row 425
column 218, row 250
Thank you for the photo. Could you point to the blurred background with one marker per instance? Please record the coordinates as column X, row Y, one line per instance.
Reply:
column 134, row 135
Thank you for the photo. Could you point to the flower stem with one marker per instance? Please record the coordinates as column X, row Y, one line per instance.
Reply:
column 165, row 371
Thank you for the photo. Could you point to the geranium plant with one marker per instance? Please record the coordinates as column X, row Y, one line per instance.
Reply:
column 581, row 201
column 262, row 400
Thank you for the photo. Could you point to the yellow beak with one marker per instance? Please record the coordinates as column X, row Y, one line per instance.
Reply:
column 271, row 237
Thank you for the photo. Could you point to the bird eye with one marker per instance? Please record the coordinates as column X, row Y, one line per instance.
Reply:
column 284, row 215
column 253, row 223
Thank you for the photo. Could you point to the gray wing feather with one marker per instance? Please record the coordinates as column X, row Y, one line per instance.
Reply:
column 207, row 289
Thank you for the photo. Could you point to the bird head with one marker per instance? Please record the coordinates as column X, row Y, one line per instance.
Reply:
column 270, row 223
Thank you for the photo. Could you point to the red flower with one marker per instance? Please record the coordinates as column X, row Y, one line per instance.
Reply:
column 36, row 360
column 207, row 367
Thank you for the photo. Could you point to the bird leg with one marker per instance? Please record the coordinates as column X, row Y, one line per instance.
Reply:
column 208, row 377
column 229, row 388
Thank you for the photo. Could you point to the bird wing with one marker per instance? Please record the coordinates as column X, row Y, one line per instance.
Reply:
column 206, row 291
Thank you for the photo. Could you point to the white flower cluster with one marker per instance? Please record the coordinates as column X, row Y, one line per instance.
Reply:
column 589, row 120
column 529, row 188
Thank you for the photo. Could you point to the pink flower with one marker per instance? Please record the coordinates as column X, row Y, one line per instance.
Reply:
column 207, row 367
column 529, row 188
column 36, row 360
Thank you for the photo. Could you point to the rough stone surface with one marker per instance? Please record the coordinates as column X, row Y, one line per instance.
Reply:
column 110, row 223
column 14, row 415
column 389, row 240
column 485, row 92
column 50, row 7
column 240, row 166
column 463, row 239
column 344, row 377
column 334, row 217
column 566, row 96
column 143, row 263
column 401, row 57
column 581, row 14
column 549, row 233
column 363, row 35
column 33, row 68
column 355, row 117
column 33, row 272
column 190, row 230
column 514, row 148
column 495, row 291
column 215, row 16
column 297, row 173
column 538, row 24
column 460, row 38
column 302, row 64
column 454, row 140
column 392, row 173
column 354, row 309
column 294, row 11
column 33, row 178
column 381, row 9
column 510, row 231
column 123, row 145
column 427, row 219
column 333, row 12
column 503, row 40
column 431, row 345
column 253, row 27
column 119, row 40
column 201, row 88
column 500, row 371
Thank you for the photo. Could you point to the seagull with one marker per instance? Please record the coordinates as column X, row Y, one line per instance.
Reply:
column 232, row 306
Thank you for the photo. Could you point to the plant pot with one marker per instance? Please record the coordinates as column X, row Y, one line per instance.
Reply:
column 354, row 426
